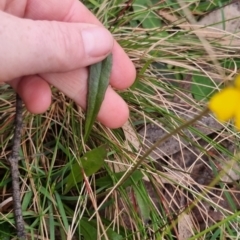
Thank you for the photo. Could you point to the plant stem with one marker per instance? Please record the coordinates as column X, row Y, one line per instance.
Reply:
column 13, row 160
column 160, row 141
column 150, row 149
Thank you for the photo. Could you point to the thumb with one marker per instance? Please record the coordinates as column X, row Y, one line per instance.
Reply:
column 31, row 47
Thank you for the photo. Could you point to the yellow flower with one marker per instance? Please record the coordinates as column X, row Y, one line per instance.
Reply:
column 226, row 103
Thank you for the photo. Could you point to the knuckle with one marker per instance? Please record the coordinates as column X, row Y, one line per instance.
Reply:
column 67, row 41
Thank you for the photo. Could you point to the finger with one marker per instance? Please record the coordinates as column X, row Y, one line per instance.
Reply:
column 31, row 47
column 35, row 93
column 113, row 112
column 123, row 72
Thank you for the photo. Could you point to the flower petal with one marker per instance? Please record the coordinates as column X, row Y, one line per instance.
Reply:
column 237, row 81
column 224, row 103
column 237, row 119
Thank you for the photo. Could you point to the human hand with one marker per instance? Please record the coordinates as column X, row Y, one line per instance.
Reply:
column 45, row 42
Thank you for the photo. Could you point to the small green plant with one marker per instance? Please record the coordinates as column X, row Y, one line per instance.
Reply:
column 91, row 182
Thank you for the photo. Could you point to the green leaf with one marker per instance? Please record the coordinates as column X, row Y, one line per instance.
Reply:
column 62, row 211
column 107, row 181
column 98, row 82
column 27, row 200
column 113, row 235
column 51, row 222
column 142, row 203
column 151, row 21
column 89, row 163
column 146, row 17
column 143, row 87
column 201, row 87
column 88, row 230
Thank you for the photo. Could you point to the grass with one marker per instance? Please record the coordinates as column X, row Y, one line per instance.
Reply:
column 190, row 185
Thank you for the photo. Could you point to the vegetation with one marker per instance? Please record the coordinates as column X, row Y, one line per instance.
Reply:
column 187, row 188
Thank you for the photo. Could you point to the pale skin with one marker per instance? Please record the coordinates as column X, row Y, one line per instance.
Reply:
column 51, row 42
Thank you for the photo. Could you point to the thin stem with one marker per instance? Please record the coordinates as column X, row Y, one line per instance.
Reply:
column 160, row 141
column 13, row 160
column 149, row 150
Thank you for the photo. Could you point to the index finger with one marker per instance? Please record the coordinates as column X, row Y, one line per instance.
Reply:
column 123, row 71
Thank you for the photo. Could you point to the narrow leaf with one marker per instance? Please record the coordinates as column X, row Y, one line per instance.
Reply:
column 142, row 203
column 88, row 230
column 62, row 212
column 107, row 181
column 98, row 82
column 90, row 163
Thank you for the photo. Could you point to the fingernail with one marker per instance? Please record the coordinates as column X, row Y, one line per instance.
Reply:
column 97, row 41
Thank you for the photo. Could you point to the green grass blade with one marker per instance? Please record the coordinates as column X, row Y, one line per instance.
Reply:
column 62, row 211
column 51, row 221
